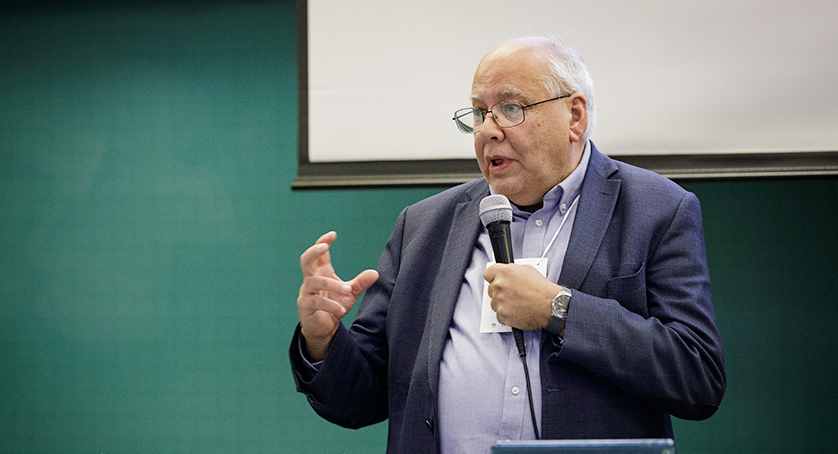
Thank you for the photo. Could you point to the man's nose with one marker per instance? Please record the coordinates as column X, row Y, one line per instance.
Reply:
column 491, row 131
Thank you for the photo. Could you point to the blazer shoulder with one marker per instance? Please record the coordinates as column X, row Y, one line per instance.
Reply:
column 466, row 192
column 632, row 177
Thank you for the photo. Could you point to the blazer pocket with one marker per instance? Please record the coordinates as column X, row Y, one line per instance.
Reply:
column 630, row 290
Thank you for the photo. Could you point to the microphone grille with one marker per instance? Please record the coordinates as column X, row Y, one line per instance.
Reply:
column 495, row 208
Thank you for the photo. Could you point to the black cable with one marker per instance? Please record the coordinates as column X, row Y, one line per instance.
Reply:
column 522, row 352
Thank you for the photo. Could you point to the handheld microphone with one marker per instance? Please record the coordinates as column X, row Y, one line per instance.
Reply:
column 496, row 215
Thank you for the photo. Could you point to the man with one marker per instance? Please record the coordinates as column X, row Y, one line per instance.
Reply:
column 620, row 334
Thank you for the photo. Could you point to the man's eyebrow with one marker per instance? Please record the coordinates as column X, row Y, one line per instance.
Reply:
column 508, row 93
column 512, row 93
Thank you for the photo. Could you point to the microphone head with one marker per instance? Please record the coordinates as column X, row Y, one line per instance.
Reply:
column 495, row 208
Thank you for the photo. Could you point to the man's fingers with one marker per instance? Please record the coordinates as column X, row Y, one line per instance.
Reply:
column 323, row 292
column 317, row 255
column 327, row 238
column 310, row 304
column 363, row 281
column 325, row 286
column 314, row 258
column 324, row 298
column 492, row 272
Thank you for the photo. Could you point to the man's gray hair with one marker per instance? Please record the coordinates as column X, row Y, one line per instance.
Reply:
column 568, row 74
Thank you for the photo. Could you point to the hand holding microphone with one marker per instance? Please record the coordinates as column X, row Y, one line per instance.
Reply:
column 520, row 294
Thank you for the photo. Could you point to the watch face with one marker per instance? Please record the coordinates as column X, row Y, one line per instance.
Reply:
column 560, row 303
column 560, row 306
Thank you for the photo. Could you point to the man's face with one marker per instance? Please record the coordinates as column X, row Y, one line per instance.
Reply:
column 526, row 161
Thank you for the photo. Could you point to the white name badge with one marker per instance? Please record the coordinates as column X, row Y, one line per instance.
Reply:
column 489, row 318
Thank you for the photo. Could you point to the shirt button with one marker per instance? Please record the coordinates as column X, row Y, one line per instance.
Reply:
column 515, row 390
column 539, row 223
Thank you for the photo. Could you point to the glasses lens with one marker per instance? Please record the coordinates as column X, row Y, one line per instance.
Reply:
column 467, row 121
column 509, row 113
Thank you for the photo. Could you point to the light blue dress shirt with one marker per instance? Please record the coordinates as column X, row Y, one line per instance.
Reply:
column 482, row 388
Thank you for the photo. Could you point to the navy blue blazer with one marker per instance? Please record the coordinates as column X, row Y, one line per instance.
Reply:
column 640, row 344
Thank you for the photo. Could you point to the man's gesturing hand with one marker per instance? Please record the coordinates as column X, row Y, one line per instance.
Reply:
column 324, row 298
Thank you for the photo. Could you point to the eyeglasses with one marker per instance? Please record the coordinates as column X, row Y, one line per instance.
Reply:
column 507, row 114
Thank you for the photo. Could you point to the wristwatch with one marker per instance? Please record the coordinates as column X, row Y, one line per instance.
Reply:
column 559, row 317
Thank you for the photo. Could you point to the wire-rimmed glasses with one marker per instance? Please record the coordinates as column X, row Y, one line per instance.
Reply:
column 507, row 114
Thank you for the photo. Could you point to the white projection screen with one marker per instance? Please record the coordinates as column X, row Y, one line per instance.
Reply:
column 708, row 89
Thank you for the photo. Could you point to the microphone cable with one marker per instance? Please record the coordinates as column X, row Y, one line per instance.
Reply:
column 522, row 352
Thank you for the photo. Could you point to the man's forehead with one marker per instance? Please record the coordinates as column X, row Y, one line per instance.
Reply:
column 504, row 77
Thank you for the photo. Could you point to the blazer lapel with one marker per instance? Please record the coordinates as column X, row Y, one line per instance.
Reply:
column 596, row 206
column 465, row 228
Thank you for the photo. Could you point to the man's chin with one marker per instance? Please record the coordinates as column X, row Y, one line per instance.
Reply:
column 503, row 187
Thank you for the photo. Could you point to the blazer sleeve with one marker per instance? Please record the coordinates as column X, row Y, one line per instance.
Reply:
column 350, row 386
column 650, row 329
column 343, row 389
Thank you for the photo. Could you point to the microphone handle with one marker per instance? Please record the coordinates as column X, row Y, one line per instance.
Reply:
column 501, row 241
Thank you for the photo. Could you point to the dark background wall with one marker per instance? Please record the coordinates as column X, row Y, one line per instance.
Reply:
column 149, row 244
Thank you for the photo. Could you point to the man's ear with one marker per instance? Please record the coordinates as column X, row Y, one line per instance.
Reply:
column 579, row 117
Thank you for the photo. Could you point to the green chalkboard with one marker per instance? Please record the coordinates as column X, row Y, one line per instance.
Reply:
column 149, row 244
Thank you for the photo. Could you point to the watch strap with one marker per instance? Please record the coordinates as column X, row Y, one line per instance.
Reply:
column 555, row 325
